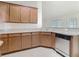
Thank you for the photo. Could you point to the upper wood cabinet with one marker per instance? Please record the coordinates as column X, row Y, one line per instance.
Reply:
column 17, row 13
column 14, row 13
column 4, row 12
column 33, row 15
column 25, row 14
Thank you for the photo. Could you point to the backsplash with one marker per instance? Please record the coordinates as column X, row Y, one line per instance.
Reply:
column 7, row 26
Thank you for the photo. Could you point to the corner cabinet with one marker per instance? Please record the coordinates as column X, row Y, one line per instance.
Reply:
column 4, row 12
column 47, row 39
column 14, row 13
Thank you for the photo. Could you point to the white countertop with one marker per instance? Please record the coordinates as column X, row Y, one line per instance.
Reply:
column 56, row 30
column 65, row 31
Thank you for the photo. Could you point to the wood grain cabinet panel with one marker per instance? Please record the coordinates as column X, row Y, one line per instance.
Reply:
column 14, row 13
column 4, row 47
column 14, row 42
column 47, row 39
column 35, row 39
column 26, row 40
column 25, row 14
column 53, row 40
column 4, row 12
column 33, row 15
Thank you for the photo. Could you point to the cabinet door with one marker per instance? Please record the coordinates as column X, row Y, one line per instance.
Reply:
column 4, row 12
column 14, row 13
column 26, row 40
column 4, row 47
column 35, row 39
column 33, row 16
column 14, row 42
column 46, row 39
column 53, row 40
column 25, row 14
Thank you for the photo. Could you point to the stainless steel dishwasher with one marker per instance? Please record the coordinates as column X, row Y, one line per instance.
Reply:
column 63, row 44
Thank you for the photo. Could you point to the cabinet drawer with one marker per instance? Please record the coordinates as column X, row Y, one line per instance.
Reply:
column 14, row 34
column 35, row 33
column 46, row 33
column 3, row 35
column 28, row 33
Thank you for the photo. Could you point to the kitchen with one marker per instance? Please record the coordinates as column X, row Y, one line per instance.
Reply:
column 27, row 25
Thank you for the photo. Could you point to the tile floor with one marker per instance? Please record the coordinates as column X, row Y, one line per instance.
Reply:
column 36, row 52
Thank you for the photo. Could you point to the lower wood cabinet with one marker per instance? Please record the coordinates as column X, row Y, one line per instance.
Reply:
column 47, row 39
column 26, row 40
column 14, row 42
column 19, row 41
column 53, row 40
column 35, row 39
column 4, row 47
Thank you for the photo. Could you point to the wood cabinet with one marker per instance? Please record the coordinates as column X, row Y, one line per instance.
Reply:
column 26, row 40
column 33, row 15
column 47, row 39
column 14, row 42
column 4, row 12
column 19, row 41
column 53, row 40
column 4, row 47
column 14, row 13
column 35, row 39
column 17, row 13
column 25, row 14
